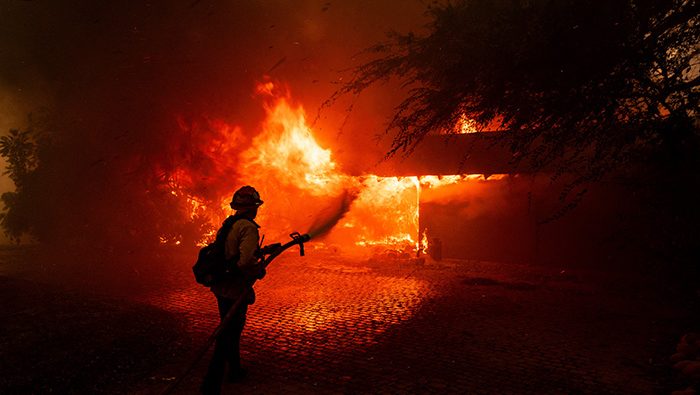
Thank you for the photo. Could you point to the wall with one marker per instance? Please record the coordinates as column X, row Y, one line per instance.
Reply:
column 502, row 221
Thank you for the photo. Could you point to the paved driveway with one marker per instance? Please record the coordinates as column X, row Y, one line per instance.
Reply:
column 324, row 324
column 330, row 325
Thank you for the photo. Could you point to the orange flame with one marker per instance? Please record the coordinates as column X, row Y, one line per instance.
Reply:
column 423, row 247
column 467, row 125
column 297, row 178
column 287, row 148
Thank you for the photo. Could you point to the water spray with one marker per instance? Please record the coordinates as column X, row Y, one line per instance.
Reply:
column 328, row 218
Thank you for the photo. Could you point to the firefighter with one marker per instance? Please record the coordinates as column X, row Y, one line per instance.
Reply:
column 242, row 241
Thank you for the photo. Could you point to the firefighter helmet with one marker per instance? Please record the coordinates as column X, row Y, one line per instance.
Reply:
column 245, row 197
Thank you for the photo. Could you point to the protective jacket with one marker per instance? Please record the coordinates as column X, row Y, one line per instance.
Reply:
column 241, row 241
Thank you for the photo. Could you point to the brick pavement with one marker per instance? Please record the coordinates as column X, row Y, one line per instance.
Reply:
column 328, row 325
column 54, row 340
column 324, row 324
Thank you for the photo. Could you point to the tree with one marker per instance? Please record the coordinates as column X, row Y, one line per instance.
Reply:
column 66, row 200
column 20, row 151
column 585, row 86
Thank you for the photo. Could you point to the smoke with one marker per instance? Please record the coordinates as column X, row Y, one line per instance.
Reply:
column 329, row 217
column 476, row 198
column 138, row 91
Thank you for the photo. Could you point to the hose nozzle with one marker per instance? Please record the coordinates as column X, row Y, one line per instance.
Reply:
column 300, row 239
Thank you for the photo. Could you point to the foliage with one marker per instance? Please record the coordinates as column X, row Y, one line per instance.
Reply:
column 20, row 152
column 579, row 85
column 577, row 89
column 66, row 199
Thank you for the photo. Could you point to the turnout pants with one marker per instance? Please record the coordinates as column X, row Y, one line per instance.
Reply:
column 227, row 348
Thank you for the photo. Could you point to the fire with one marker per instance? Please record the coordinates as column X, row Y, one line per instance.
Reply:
column 297, row 178
column 287, row 148
column 385, row 213
column 467, row 125
column 438, row 181
column 463, row 125
column 423, row 246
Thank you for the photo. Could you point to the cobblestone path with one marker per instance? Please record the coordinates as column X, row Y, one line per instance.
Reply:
column 328, row 325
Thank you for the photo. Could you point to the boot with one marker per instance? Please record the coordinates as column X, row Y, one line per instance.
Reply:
column 236, row 375
column 209, row 388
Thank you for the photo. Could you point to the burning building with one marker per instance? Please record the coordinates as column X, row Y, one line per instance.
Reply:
column 455, row 196
column 302, row 179
column 202, row 136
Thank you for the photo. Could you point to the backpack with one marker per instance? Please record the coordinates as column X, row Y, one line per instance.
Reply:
column 212, row 265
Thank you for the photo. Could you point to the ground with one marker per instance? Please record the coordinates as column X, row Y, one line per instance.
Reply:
column 326, row 324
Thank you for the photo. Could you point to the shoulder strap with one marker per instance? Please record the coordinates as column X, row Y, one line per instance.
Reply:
column 226, row 226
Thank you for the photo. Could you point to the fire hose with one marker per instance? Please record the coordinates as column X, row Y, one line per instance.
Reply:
column 272, row 251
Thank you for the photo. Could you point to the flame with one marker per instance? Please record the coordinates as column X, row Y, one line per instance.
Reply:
column 467, row 125
column 435, row 181
column 297, row 177
column 385, row 212
column 438, row 181
column 288, row 148
column 423, row 247
column 464, row 125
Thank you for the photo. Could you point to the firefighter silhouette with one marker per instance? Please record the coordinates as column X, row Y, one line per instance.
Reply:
column 241, row 246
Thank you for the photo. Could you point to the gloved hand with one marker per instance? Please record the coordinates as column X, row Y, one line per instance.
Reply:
column 261, row 273
column 256, row 272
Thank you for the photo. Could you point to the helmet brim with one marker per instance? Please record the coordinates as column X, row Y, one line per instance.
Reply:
column 246, row 206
